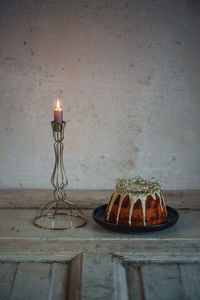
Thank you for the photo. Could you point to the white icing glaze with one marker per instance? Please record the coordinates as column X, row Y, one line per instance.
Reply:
column 143, row 201
column 114, row 197
column 163, row 202
column 133, row 199
column 132, row 203
column 119, row 208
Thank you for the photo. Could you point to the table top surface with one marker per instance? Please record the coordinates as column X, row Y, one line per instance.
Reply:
column 113, row 258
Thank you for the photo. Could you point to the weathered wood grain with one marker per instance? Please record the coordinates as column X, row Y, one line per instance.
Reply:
column 37, row 281
column 160, row 257
column 17, row 232
column 59, row 281
column 30, row 248
column 190, row 279
column 32, row 281
column 163, row 280
column 36, row 256
column 97, row 275
column 135, row 281
column 181, row 199
column 7, row 276
column 120, row 280
column 75, row 278
column 94, row 276
column 92, row 262
column 17, row 224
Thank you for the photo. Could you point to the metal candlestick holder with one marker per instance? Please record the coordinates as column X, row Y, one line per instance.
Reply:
column 60, row 213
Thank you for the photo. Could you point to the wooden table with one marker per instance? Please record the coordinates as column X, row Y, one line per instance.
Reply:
column 91, row 262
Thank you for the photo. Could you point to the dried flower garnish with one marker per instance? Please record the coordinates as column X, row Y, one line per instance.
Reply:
column 137, row 185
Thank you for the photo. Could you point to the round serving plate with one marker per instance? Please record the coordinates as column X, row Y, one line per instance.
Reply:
column 99, row 217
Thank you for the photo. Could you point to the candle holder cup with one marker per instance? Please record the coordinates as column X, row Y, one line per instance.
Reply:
column 60, row 213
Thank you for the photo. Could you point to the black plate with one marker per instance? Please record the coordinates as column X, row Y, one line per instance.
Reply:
column 99, row 217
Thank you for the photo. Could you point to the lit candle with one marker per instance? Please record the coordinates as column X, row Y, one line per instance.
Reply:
column 58, row 113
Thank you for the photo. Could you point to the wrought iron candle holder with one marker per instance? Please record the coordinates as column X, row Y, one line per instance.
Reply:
column 60, row 213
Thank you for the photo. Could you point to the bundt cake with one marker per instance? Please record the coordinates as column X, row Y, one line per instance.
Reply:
column 136, row 202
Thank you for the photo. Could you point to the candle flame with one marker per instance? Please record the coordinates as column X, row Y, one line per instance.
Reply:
column 57, row 104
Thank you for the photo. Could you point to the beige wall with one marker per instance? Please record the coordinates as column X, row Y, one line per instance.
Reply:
column 127, row 73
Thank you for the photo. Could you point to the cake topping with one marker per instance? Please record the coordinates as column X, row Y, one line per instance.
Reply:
column 137, row 185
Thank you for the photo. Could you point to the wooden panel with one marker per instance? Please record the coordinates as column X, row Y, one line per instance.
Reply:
column 32, row 281
column 19, row 234
column 120, row 280
column 162, row 281
column 20, row 238
column 190, row 278
column 143, row 265
column 183, row 199
column 40, row 281
column 59, row 281
column 161, row 257
column 17, row 224
column 97, row 275
column 74, row 284
column 91, row 276
column 100, row 276
column 29, row 249
column 135, row 282
column 7, row 276
column 36, row 256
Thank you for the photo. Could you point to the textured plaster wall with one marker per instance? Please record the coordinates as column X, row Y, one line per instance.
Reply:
column 127, row 73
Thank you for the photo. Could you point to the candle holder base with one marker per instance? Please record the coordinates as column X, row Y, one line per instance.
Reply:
column 59, row 216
